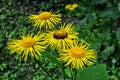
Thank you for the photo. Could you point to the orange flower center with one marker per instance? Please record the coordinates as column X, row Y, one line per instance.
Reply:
column 27, row 42
column 60, row 34
column 45, row 15
column 77, row 52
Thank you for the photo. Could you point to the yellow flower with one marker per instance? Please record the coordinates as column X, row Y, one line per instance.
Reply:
column 74, row 5
column 71, row 6
column 68, row 6
column 78, row 56
column 29, row 45
column 62, row 38
column 45, row 19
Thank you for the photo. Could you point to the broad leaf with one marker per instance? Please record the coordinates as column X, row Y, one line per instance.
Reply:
column 97, row 72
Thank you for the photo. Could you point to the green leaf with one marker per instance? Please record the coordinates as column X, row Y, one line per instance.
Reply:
column 2, row 17
column 119, row 6
column 51, row 57
column 67, row 71
column 83, row 21
column 99, row 1
column 3, row 66
column 105, row 36
column 89, row 26
column 77, row 27
column 97, row 72
column 118, row 35
column 107, row 51
column 109, row 13
column 96, row 44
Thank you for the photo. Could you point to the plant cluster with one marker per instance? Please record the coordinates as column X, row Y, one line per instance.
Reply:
column 81, row 41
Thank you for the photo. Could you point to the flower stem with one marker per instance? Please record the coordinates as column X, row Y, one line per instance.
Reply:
column 71, row 72
column 75, row 74
column 63, row 69
column 39, row 63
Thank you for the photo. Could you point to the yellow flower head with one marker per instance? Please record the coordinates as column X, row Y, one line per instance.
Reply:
column 78, row 56
column 74, row 5
column 29, row 45
column 68, row 6
column 45, row 19
column 71, row 6
column 62, row 38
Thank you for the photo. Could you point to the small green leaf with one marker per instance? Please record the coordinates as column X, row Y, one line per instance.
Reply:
column 89, row 26
column 119, row 6
column 107, row 51
column 1, row 68
column 99, row 1
column 4, row 65
column 105, row 36
column 51, row 57
column 118, row 35
column 67, row 71
column 97, row 72
column 96, row 44
column 83, row 21
column 77, row 27
column 109, row 13
column 11, row 34
column 2, row 17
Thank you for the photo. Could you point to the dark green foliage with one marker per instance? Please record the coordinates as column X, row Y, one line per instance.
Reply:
column 97, row 21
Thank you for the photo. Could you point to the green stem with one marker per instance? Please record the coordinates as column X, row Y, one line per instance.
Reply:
column 44, row 69
column 71, row 72
column 63, row 69
column 75, row 74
